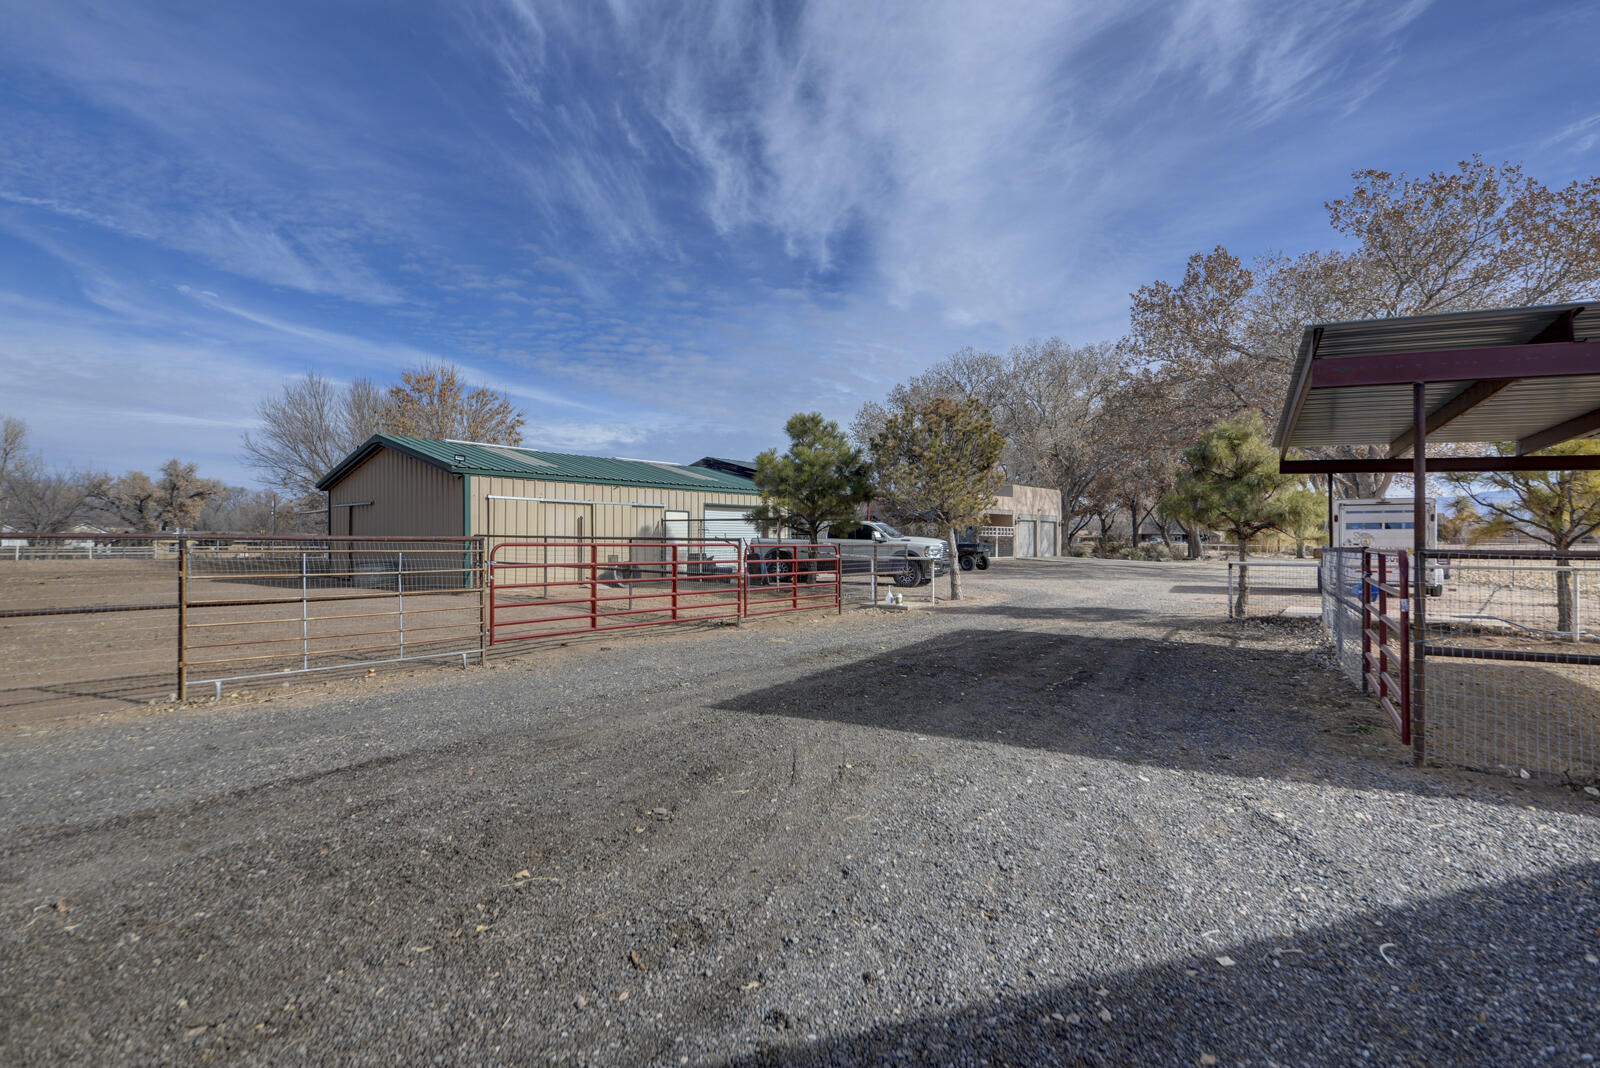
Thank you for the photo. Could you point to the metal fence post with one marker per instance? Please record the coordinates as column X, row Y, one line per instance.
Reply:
column 674, row 582
column 594, row 584
column 400, row 593
column 1366, row 618
column 305, row 643
column 485, row 580
column 183, row 615
column 1405, row 655
column 1230, row 589
column 874, row 572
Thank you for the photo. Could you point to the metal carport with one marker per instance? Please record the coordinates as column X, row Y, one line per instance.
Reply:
column 1529, row 375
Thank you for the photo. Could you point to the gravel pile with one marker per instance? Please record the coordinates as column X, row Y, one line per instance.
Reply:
column 1073, row 819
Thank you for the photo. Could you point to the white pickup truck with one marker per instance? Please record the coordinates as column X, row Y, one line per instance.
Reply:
column 908, row 560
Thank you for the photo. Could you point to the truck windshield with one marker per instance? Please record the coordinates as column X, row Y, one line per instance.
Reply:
column 888, row 531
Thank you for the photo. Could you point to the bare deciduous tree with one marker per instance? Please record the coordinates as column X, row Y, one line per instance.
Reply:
column 172, row 502
column 310, row 427
column 433, row 402
column 49, row 501
column 1477, row 237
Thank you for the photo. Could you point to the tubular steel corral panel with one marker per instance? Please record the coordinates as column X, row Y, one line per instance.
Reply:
column 544, row 589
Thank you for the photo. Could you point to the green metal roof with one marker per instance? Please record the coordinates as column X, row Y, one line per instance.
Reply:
column 509, row 461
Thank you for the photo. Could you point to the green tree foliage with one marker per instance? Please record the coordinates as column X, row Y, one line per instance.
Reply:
column 1553, row 507
column 821, row 479
column 1229, row 480
column 940, row 460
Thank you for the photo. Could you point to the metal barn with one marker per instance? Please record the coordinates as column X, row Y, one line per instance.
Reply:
column 395, row 485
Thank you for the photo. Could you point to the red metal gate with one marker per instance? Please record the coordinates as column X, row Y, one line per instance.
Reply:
column 547, row 589
column 1386, row 636
column 791, row 576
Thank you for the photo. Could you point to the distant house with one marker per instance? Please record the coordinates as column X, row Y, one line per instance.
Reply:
column 1025, row 521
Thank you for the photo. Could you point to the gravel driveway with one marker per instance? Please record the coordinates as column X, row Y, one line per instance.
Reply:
column 1073, row 819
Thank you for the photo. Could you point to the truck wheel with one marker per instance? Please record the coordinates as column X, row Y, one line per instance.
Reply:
column 966, row 563
column 983, row 562
column 911, row 576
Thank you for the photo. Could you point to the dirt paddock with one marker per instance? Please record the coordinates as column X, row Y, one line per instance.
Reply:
column 1034, row 827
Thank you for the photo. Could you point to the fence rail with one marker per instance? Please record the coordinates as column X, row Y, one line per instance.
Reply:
column 1273, row 587
column 1386, row 635
column 1505, row 654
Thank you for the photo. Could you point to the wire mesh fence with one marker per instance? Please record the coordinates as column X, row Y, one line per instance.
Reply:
column 1508, row 677
column 1289, row 588
column 90, row 624
column 255, row 611
column 87, row 621
column 1339, row 576
column 1512, row 647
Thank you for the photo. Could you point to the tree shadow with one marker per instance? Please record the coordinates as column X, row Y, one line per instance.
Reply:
column 1166, row 701
column 1445, row 981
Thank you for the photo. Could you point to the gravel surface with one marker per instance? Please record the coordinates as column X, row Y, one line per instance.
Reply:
column 1073, row 819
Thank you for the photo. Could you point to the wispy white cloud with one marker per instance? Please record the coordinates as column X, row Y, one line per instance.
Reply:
column 965, row 154
column 1579, row 136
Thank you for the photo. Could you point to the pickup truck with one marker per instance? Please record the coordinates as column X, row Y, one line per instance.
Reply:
column 911, row 561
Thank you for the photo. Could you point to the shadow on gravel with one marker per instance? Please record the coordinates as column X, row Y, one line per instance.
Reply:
column 1080, row 613
column 1446, row 982
column 1190, row 705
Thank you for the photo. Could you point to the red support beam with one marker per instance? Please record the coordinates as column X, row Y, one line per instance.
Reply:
column 1453, row 409
column 1543, row 360
column 1440, row 464
column 1584, row 424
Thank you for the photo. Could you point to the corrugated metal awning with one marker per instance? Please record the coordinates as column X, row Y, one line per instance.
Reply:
column 1530, row 375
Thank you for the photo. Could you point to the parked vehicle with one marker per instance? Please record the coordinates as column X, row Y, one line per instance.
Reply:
column 911, row 561
column 974, row 554
column 1387, row 524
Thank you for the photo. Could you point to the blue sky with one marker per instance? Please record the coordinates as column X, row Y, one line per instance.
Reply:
column 662, row 228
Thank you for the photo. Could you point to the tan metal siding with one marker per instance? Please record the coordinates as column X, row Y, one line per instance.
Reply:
column 608, row 511
column 409, row 498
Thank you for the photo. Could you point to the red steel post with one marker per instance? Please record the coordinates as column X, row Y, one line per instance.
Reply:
column 1383, row 626
column 1405, row 656
column 674, row 582
column 1366, row 617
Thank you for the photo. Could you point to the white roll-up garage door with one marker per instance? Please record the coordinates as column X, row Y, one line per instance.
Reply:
column 729, row 521
column 1025, row 542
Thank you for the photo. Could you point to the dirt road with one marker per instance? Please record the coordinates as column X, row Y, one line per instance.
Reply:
column 1075, row 819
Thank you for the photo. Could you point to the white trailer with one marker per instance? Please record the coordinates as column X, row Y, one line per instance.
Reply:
column 1387, row 523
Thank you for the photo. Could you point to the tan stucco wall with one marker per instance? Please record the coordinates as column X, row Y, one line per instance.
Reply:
column 1036, row 501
